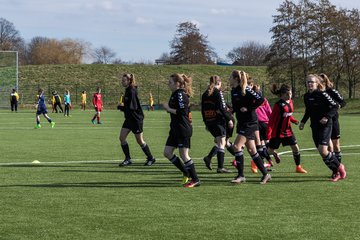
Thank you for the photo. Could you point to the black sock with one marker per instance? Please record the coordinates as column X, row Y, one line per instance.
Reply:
column 212, row 152
column 260, row 150
column 177, row 162
column 231, row 149
column 297, row 158
column 190, row 167
column 331, row 162
column 259, row 163
column 338, row 155
column 126, row 150
column 239, row 157
column 266, row 153
column 147, row 152
column 220, row 157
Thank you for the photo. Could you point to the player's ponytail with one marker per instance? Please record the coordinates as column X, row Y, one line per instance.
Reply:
column 326, row 81
column 243, row 82
column 213, row 81
column 187, row 84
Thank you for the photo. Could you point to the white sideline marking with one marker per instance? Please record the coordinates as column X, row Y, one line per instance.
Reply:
column 143, row 159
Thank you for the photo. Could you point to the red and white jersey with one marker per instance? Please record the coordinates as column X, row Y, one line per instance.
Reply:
column 97, row 100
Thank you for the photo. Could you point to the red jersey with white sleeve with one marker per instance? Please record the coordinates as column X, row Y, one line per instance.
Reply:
column 97, row 101
column 280, row 120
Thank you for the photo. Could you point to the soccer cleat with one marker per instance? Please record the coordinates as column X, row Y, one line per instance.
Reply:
column 277, row 157
column 93, row 121
column 52, row 124
column 254, row 168
column 342, row 171
column 99, row 123
column 149, row 162
column 126, row 162
column 266, row 178
column 37, row 126
column 223, row 170
column 185, row 179
column 238, row 180
column 207, row 161
column 299, row 169
column 192, row 184
column 335, row 177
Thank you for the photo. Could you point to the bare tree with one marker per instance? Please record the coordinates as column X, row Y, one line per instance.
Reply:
column 249, row 54
column 189, row 46
column 104, row 55
column 9, row 37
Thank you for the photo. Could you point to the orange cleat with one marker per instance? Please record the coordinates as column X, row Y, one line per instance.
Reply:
column 299, row 169
column 254, row 168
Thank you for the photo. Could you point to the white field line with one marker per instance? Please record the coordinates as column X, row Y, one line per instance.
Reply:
column 143, row 159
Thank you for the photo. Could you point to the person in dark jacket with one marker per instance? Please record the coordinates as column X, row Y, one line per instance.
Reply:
column 216, row 118
column 180, row 128
column 321, row 108
column 134, row 120
column 14, row 99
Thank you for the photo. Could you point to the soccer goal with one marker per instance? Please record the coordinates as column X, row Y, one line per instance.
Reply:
column 8, row 76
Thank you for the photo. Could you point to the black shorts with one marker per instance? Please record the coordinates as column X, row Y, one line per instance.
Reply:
column 178, row 142
column 247, row 130
column 321, row 134
column 335, row 133
column 217, row 130
column 262, row 130
column 274, row 143
column 135, row 126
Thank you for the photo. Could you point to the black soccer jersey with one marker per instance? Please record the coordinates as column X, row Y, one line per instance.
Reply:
column 318, row 104
column 251, row 100
column 132, row 107
column 180, row 124
column 213, row 108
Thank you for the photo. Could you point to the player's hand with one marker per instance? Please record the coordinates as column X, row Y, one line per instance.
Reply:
column 230, row 124
column 301, row 126
column 324, row 120
column 243, row 109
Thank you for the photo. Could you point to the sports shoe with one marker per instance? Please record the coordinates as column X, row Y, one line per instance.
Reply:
column 149, row 162
column 254, row 168
column 99, row 123
column 342, row 171
column 223, row 170
column 93, row 121
column 335, row 177
column 207, row 161
column 299, row 169
column 52, row 124
column 270, row 161
column 126, row 162
column 277, row 157
column 185, row 179
column 238, row 180
column 266, row 178
column 37, row 126
column 192, row 184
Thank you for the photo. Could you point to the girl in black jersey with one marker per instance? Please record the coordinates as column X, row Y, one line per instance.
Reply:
column 335, row 134
column 134, row 117
column 321, row 108
column 216, row 117
column 244, row 102
column 180, row 128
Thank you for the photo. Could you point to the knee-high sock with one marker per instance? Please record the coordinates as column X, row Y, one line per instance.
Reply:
column 331, row 162
column 177, row 162
column 338, row 155
column 147, row 151
column 239, row 157
column 297, row 158
column 259, row 163
column 212, row 152
column 220, row 157
column 190, row 167
column 126, row 150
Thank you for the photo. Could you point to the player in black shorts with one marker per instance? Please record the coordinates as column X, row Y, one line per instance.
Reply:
column 180, row 128
column 134, row 118
column 321, row 108
column 244, row 102
column 335, row 134
column 216, row 118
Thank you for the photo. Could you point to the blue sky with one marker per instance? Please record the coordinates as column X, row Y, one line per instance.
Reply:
column 140, row 30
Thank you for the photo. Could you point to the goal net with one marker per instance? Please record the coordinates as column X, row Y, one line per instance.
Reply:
column 8, row 76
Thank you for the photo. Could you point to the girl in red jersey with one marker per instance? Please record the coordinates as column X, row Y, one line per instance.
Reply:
column 279, row 128
column 98, row 104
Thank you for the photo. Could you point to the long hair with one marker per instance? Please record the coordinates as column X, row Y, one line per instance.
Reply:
column 283, row 89
column 131, row 78
column 241, row 78
column 184, row 81
column 318, row 80
column 326, row 81
column 213, row 81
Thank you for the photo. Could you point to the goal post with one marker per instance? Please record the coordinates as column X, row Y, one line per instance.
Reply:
column 9, row 76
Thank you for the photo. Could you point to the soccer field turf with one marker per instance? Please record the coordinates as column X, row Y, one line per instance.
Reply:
column 77, row 191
